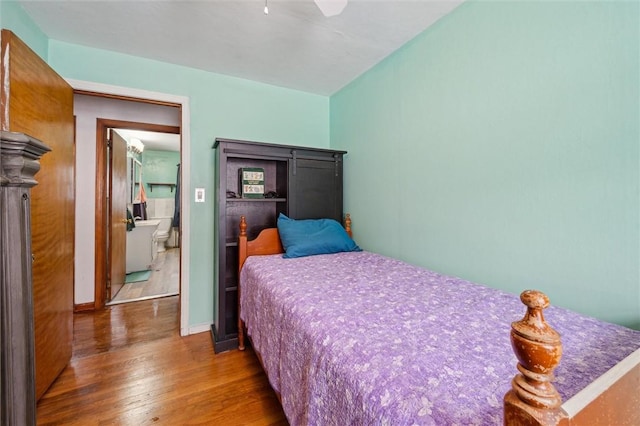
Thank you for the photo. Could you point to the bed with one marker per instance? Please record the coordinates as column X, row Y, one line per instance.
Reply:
column 356, row 338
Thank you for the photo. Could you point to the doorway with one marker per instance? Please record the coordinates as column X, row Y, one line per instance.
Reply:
column 125, row 242
column 152, row 201
column 90, row 211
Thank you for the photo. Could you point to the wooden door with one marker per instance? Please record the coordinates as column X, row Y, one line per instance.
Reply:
column 117, row 214
column 39, row 103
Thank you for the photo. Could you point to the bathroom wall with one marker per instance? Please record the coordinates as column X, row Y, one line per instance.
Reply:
column 160, row 167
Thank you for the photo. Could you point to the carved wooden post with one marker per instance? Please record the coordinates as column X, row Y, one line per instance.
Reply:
column 533, row 400
column 347, row 224
column 19, row 155
column 242, row 246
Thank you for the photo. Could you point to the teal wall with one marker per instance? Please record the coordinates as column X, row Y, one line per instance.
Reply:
column 220, row 106
column 502, row 146
column 159, row 166
column 13, row 17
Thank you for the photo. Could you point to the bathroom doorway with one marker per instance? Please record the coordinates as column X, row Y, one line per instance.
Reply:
column 152, row 199
column 144, row 235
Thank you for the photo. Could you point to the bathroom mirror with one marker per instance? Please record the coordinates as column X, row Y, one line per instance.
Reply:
column 134, row 176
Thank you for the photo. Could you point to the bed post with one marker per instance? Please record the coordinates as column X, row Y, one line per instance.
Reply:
column 347, row 224
column 533, row 400
column 242, row 255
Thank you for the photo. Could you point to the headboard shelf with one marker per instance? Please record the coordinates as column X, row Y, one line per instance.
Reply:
column 306, row 183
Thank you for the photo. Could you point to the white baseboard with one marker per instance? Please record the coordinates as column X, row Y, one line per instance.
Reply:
column 199, row 328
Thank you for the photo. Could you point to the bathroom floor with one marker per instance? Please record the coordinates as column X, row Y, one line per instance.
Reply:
column 164, row 280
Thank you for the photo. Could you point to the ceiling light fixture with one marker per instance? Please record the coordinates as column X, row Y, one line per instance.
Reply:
column 135, row 145
column 331, row 7
column 266, row 8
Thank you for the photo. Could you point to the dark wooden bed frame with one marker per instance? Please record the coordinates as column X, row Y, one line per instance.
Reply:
column 613, row 399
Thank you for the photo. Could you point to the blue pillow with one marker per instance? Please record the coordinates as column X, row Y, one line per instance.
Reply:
column 313, row 236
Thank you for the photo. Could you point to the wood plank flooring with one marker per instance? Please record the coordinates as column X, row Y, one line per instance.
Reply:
column 164, row 280
column 131, row 367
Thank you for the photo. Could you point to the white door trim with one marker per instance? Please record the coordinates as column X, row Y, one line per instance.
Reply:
column 185, row 130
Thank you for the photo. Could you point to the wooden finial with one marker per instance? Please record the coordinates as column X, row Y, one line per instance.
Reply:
column 538, row 349
column 347, row 223
column 242, row 247
column 243, row 226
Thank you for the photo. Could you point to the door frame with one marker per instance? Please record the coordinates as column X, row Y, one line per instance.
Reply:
column 103, row 221
column 128, row 93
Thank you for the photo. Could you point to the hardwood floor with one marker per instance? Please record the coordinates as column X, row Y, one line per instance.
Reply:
column 131, row 367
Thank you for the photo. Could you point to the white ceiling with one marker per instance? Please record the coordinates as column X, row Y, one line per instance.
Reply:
column 294, row 46
column 153, row 140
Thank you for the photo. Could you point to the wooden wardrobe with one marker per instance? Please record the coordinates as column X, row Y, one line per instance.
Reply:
column 37, row 102
column 19, row 155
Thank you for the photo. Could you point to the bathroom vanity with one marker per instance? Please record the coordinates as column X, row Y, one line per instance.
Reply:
column 141, row 246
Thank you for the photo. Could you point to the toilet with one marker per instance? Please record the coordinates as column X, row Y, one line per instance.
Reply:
column 162, row 209
column 162, row 234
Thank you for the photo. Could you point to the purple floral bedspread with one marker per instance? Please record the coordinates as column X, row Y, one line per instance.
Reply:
column 362, row 339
